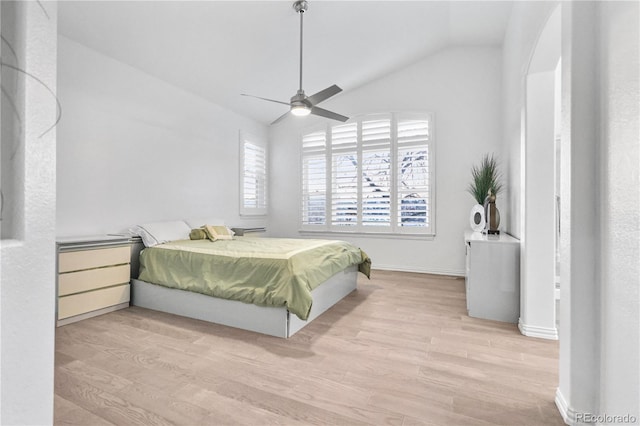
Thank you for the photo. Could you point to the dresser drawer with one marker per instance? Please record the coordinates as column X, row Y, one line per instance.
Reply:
column 76, row 304
column 87, row 259
column 91, row 279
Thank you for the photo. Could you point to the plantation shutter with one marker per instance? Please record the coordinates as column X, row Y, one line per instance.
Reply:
column 413, row 196
column 370, row 175
column 376, row 173
column 253, row 183
column 314, row 179
column 344, row 160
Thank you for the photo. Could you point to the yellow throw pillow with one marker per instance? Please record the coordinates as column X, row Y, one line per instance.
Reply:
column 198, row 234
column 217, row 232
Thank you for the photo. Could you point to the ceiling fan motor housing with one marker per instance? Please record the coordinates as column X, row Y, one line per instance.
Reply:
column 300, row 99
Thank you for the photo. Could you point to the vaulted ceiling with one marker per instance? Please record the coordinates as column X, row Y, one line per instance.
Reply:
column 220, row 49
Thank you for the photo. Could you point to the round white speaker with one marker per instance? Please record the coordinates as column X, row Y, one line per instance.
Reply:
column 476, row 219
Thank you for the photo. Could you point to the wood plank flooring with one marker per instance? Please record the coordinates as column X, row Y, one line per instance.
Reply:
column 398, row 351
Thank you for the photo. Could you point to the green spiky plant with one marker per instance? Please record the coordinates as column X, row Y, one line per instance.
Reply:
column 485, row 177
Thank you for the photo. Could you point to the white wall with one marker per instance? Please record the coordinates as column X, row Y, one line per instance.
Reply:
column 600, row 255
column 27, row 305
column 580, row 239
column 537, row 282
column 462, row 87
column 538, row 184
column 134, row 149
column 620, row 206
column 525, row 25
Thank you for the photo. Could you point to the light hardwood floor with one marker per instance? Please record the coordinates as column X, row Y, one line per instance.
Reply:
column 399, row 351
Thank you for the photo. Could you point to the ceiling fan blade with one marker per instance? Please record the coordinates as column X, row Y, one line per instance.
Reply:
column 279, row 119
column 324, row 94
column 328, row 114
column 265, row 99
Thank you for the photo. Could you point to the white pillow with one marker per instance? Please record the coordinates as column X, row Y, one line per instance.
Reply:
column 201, row 221
column 162, row 232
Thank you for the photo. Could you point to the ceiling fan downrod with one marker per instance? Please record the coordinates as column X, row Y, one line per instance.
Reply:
column 301, row 6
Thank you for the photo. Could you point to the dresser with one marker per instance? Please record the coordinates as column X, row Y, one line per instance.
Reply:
column 493, row 276
column 93, row 275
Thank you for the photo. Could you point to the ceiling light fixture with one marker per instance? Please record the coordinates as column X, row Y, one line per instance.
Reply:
column 300, row 110
column 299, row 107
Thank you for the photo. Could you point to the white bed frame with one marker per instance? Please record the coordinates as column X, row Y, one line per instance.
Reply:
column 275, row 321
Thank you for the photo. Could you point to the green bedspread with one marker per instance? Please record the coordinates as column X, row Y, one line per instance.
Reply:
column 262, row 271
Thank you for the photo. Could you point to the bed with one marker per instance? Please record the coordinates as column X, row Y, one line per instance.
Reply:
column 267, row 285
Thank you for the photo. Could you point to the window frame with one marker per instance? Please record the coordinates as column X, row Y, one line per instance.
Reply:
column 244, row 139
column 360, row 229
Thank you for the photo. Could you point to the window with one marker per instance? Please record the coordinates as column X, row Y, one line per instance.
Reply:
column 371, row 175
column 253, row 179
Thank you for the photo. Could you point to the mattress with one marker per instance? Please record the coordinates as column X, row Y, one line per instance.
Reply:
column 261, row 271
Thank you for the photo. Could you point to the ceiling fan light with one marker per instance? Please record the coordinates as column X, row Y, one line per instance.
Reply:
column 300, row 110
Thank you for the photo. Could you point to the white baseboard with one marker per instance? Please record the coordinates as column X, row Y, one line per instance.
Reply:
column 567, row 413
column 540, row 332
column 434, row 271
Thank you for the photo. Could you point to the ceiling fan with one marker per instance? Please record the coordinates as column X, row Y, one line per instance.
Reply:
column 300, row 103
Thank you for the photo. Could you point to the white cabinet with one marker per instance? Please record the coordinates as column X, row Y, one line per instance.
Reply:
column 493, row 276
column 93, row 277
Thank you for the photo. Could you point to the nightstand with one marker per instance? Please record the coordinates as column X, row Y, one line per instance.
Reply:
column 93, row 275
column 493, row 276
column 249, row 232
